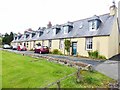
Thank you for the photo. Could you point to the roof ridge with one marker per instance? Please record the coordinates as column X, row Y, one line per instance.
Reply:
column 90, row 17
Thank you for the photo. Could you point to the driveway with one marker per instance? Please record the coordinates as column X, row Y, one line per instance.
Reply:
column 107, row 67
column 94, row 63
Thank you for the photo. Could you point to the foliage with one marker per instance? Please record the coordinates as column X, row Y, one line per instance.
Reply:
column 101, row 57
column 95, row 54
column 67, row 45
column 56, row 51
column 0, row 42
column 31, row 50
column 8, row 38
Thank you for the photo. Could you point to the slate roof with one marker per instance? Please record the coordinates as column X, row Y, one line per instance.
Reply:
column 103, row 30
column 83, row 31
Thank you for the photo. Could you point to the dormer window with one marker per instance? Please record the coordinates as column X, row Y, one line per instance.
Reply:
column 65, row 29
column 33, row 34
column 68, row 27
column 15, row 38
column 56, row 29
column 19, row 36
column 94, row 24
column 27, row 35
column 40, row 33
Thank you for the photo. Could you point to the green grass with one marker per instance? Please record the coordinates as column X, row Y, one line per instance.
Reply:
column 0, row 69
column 26, row 72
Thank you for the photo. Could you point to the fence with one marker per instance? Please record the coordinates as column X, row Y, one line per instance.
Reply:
column 58, row 82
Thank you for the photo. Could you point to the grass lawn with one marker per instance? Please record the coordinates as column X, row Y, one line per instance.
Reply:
column 26, row 72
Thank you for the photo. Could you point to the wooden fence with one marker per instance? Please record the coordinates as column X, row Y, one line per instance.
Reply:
column 58, row 82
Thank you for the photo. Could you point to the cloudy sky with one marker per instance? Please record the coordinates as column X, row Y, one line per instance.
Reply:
column 19, row 15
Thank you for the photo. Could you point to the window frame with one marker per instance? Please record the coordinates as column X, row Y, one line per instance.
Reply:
column 50, row 43
column 43, row 42
column 93, row 25
column 89, row 43
column 61, row 44
column 65, row 28
column 54, row 31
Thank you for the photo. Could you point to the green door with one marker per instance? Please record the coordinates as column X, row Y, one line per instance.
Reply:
column 74, row 48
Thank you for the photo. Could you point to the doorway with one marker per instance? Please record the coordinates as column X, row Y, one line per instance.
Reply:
column 74, row 48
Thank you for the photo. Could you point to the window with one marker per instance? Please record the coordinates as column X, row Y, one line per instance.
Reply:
column 25, row 44
column 54, row 31
column 27, row 35
column 34, row 44
column 88, row 43
column 92, row 25
column 15, row 38
column 19, row 36
column 65, row 29
column 61, row 44
column 33, row 34
column 43, row 43
column 50, row 43
column 40, row 33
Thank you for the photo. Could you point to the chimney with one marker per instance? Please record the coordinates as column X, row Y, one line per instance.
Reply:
column 49, row 25
column 113, row 9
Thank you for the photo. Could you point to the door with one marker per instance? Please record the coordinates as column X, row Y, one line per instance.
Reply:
column 74, row 48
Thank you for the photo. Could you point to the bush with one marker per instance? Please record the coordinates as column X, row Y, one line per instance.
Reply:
column 95, row 55
column 56, row 51
column 31, row 49
column 101, row 57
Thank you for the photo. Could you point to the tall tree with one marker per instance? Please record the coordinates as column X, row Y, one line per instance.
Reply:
column 8, row 38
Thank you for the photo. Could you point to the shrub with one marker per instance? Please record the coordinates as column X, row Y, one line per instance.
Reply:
column 101, row 57
column 95, row 55
column 56, row 51
column 31, row 49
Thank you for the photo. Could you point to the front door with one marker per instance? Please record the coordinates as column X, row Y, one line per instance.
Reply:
column 74, row 48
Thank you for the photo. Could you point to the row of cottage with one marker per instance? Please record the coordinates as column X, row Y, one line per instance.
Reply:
column 101, row 33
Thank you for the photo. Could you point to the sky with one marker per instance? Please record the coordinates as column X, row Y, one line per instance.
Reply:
column 19, row 15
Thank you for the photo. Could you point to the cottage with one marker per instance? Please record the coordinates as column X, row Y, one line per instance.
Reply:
column 101, row 33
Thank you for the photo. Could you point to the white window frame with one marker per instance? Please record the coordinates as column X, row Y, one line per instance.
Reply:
column 50, row 43
column 93, row 25
column 54, row 31
column 61, row 44
column 65, row 29
column 89, row 43
column 42, row 42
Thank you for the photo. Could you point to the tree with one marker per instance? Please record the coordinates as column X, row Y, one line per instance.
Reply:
column 67, row 46
column 8, row 38
column 11, row 36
